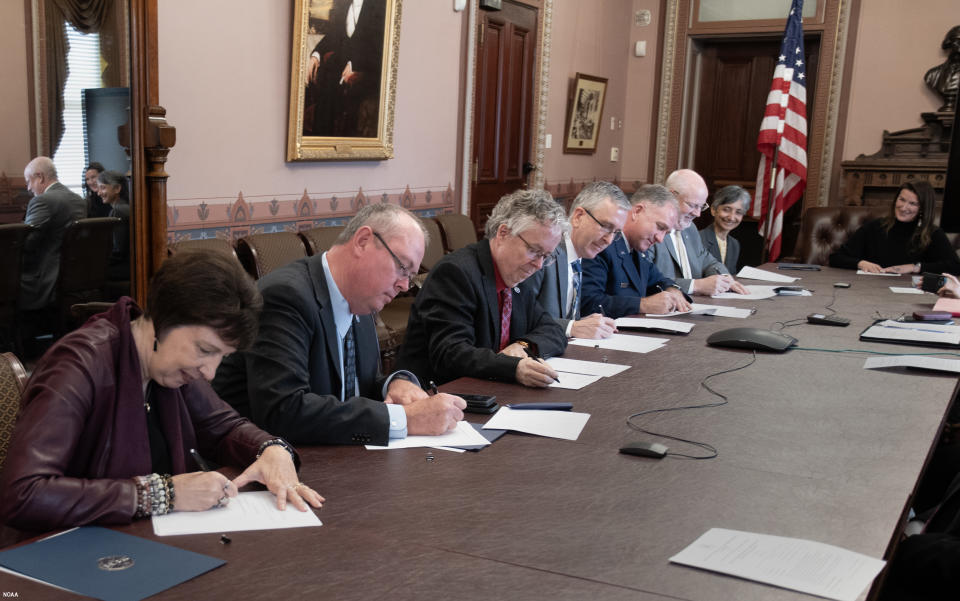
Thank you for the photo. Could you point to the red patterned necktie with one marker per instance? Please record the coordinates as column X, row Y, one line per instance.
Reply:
column 506, row 308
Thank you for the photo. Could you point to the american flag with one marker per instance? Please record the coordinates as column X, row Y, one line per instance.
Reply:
column 784, row 129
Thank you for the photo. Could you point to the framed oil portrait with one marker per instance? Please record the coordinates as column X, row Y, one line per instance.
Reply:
column 584, row 111
column 343, row 80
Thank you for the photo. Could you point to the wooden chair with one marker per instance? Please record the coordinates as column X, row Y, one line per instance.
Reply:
column 262, row 253
column 12, row 237
column 13, row 378
column 320, row 239
column 87, row 244
column 457, row 229
column 434, row 249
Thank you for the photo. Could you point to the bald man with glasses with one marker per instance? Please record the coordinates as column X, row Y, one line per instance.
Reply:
column 471, row 318
column 596, row 219
column 681, row 255
column 313, row 372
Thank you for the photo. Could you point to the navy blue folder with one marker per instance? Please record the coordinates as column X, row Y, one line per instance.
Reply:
column 107, row 564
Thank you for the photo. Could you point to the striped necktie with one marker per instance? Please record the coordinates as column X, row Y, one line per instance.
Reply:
column 349, row 364
column 574, row 312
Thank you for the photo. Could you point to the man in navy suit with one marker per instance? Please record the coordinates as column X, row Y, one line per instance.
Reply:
column 596, row 217
column 297, row 379
column 681, row 255
column 621, row 280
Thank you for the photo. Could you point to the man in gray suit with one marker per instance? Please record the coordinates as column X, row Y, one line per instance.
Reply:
column 51, row 209
column 596, row 219
column 681, row 256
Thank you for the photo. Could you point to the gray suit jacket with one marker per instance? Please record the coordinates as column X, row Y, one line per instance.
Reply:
column 49, row 213
column 709, row 238
column 550, row 285
column 702, row 263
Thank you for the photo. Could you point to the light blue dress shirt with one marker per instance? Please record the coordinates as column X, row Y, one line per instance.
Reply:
column 343, row 319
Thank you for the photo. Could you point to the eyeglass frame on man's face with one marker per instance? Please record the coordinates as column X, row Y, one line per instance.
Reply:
column 533, row 253
column 607, row 228
column 404, row 270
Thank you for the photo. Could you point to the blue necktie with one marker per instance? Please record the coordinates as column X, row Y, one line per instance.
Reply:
column 574, row 312
column 349, row 364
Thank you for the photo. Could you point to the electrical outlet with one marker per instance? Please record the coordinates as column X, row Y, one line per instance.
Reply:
column 614, row 154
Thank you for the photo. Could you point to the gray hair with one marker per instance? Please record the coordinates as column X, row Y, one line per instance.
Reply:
column 728, row 195
column 595, row 193
column 522, row 209
column 654, row 194
column 383, row 218
column 43, row 166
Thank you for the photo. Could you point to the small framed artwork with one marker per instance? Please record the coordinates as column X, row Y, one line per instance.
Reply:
column 584, row 111
column 343, row 80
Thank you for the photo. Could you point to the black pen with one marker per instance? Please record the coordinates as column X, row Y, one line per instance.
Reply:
column 602, row 314
column 433, row 387
column 196, row 457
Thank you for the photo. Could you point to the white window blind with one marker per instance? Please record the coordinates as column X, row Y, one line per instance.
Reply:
column 83, row 61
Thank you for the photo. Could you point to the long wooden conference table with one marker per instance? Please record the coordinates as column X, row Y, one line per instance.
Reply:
column 811, row 445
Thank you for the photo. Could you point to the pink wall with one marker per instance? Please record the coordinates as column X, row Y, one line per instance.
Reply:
column 591, row 37
column 224, row 80
column 896, row 44
column 15, row 107
column 642, row 101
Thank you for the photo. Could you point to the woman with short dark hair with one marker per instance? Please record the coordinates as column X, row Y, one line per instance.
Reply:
column 905, row 241
column 112, row 186
column 113, row 410
column 730, row 204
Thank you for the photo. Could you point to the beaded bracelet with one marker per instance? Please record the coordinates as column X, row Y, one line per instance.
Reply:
column 155, row 495
column 276, row 441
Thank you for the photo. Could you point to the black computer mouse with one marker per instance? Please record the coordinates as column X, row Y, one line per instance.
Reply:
column 645, row 449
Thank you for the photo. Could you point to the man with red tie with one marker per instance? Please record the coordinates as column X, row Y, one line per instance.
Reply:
column 472, row 319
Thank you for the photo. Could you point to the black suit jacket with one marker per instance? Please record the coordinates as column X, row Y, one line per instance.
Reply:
column 289, row 381
column 454, row 326
column 617, row 279
column 709, row 238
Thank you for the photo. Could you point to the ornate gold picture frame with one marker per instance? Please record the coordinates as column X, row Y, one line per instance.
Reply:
column 343, row 80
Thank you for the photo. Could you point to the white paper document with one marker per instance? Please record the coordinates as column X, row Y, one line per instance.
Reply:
column 588, row 368
column 862, row 272
column 462, row 436
column 623, row 342
column 905, row 290
column 681, row 327
column 573, row 381
column 555, row 424
column 246, row 511
column 718, row 310
column 792, row 563
column 931, row 363
column 914, row 332
column 752, row 273
column 755, row 292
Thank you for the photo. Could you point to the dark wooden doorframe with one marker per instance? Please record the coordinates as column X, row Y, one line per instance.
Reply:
column 503, row 124
column 735, row 76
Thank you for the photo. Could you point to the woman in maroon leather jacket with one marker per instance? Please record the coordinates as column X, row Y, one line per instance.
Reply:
column 115, row 407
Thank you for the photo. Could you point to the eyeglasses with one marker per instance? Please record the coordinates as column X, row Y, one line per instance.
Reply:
column 702, row 208
column 403, row 269
column 606, row 228
column 535, row 253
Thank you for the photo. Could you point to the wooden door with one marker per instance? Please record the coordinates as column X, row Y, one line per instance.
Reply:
column 735, row 80
column 503, row 124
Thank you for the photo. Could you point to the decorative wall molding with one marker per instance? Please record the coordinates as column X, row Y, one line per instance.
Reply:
column 232, row 218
